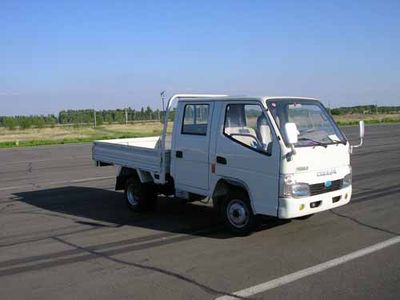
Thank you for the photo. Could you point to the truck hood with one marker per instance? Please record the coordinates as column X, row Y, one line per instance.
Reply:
column 317, row 161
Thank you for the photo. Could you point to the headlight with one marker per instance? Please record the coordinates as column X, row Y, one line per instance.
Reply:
column 290, row 188
column 300, row 190
column 286, row 182
column 347, row 180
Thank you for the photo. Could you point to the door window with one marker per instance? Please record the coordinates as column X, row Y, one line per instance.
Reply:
column 247, row 125
column 195, row 119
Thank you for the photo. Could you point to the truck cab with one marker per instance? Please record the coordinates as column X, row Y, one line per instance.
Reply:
column 276, row 156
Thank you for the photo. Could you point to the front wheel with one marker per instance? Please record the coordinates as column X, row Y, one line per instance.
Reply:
column 237, row 214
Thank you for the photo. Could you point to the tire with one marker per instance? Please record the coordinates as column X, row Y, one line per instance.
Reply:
column 237, row 214
column 306, row 217
column 139, row 196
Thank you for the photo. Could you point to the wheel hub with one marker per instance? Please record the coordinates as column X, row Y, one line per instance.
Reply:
column 237, row 213
column 130, row 194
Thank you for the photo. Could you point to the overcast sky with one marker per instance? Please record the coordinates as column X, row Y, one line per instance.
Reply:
column 111, row 54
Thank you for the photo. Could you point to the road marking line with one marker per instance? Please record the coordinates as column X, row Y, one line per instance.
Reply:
column 43, row 160
column 14, row 187
column 263, row 287
column 56, row 182
column 91, row 179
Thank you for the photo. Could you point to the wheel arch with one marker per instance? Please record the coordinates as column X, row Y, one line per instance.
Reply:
column 123, row 175
column 224, row 186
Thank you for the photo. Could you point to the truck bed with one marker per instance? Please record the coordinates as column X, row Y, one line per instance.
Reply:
column 136, row 153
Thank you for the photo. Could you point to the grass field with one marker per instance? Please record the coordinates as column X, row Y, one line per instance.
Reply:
column 353, row 119
column 80, row 134
column 75, row 134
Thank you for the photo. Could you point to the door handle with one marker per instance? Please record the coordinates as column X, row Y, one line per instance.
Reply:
column 221, row 160
column 179, row 154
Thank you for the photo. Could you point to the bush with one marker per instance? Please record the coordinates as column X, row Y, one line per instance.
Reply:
column 9, row 122
column 25, row 123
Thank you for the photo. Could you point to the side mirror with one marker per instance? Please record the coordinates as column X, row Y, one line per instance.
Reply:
column 362, row 131
column 291, row 133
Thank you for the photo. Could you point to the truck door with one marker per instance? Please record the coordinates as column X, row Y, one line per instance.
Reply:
column 190, row 147
column 248, row 152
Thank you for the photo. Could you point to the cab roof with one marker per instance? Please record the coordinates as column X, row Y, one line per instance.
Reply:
column 241, row 98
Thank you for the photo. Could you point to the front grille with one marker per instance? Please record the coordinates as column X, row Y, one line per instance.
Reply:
column 319, row 188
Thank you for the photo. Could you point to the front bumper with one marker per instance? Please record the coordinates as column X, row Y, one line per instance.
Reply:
column 297, row 207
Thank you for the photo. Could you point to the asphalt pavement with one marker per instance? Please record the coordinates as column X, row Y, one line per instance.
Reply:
column 66, row 234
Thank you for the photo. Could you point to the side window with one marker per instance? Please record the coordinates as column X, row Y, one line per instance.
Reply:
column 248, row 125
column 195, row 119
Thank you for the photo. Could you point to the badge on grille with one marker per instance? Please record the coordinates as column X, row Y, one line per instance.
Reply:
column 328, row 184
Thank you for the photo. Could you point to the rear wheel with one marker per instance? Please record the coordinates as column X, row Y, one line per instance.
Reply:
column 139, row 196
column 237, row 214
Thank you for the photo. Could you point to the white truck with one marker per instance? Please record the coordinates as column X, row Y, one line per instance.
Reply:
column 275, row 156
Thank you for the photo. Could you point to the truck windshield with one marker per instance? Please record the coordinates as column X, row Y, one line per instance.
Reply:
column 315, row 125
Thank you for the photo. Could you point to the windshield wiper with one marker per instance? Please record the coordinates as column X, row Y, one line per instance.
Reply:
column 335, row 141
column 317, row 143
